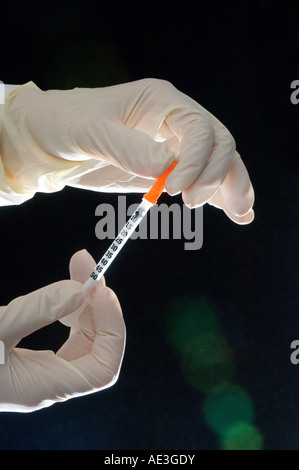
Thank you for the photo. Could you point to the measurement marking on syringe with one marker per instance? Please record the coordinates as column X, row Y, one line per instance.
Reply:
column 117, row 244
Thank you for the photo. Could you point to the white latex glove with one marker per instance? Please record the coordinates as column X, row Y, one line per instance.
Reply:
column 89, row 360
column 117, row 138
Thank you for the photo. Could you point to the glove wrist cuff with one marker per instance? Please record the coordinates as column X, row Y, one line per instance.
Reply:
column 25, row 168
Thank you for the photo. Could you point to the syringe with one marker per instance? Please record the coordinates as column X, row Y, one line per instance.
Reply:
column 148, row 201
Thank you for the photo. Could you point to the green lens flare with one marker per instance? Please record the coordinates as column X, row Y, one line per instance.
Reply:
column 208, row 363
column 242, row 436
column 227, row 406
column 189, row 318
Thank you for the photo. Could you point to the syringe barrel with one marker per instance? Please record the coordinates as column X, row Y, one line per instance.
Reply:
column 117, row 244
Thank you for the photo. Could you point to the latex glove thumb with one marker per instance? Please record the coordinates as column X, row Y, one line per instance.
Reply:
column 89, row 361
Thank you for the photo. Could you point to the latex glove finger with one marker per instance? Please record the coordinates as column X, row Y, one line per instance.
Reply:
column 97, row 340
column 168, row 115
column 110, row 179
column 32, row 380
column 236, row 195
column 81, row 265
column 196, row 135
column 237, row 190
column 218, row 202
column 130, row 150
column 33, row 311
column 100, row 327
column 214, row 173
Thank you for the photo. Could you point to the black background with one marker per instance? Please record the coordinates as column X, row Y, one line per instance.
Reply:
column 238, row 60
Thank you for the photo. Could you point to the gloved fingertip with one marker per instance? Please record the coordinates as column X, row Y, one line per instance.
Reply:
column 193, row 205
column 81, row 252
column 249, row 217
column 172, row 184
column 81, row 265
column 81, row 255
column 172, row 190
column 240, row 208
column 191, row 202
column 239, row 196
column 159, row 165
column 69, row 296
column 243, row 220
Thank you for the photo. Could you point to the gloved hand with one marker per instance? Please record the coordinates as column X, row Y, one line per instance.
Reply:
column 117, row 139
column 89, row 360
